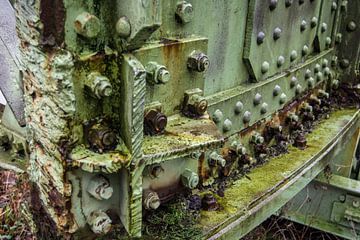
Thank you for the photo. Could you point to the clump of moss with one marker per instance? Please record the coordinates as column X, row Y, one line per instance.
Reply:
column 173, row 220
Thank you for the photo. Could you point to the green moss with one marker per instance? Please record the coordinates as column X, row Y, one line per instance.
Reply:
column 263, row 179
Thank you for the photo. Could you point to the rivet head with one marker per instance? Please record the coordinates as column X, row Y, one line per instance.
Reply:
column 239, row 106
column 319, row 76
column 334, row 6
column 87, row 25
column 277, row 33
column 260, row 38
column 328, row 41
column 338, row 38
column 184, row 12
column 273, row 4
column 264, row 108
column 265, row 67
column 344, row 63
column 317, row 68
column 227, row 125
column 307, row 73
column 283, row 98
column 305, row 50
column 303, row 25
column 325, row 63
column 293, row 55
column 277, row 90
column 123, row 27
column 257, row 99
column 314, row 22
column 323, row 27
column 311, row 83
column 247, row 117
column 298, row 89
column 327, row 71
column 293, row 82
column 217, row 116
column 280, row 61
column 288, row 3
column 351, row 26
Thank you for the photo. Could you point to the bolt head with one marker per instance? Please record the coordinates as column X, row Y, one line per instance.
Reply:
column 260, row 38
column 338, row 38
column 277, row 33
column 198, row 62
column 184, row 12
column 264, row 108
column 277, row 90
column 335, row 84
column 293, row 82
column 247, row 117
column 227, row 125
column 307, row 73
column 280, row 61
column 239, row 106
column 283, row 98
column 328, row 41
column 257, row 99
column 344, row 63
column 293, row 55
column 87, row 25
column 327, row 71
column 123, row 27
column 154, row 122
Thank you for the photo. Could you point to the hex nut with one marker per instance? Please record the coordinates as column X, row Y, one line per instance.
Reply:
column 123, row 27
column 184, row 12
column 154, row 122
column 198, row 61
column 99, row 85
column 87, row 25
column 99, row 187
column 151, row 200
column 101, row 137
column 189, row 179
column 99, row 222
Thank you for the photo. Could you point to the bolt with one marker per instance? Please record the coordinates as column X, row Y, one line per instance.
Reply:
column 307, row 73
column 238, row 148
column 256, row 138
column 247, row 117
column 283, row 98
column 260, row 37
column 344, row 63
column 277, row 33
column 351, row 26
column 99, row 187
column 123, row 27
column 265, row 67
column 99, row 222
column 217, row 116
column 198, row 61
column 87, row 25
column 189, row 179
column 288, row 3
column 209, row 202
column 303, row 25
column 314, row 22
column 257, row 99
column 293, row 82
column 277, row 90
column 239, row 106
column 101, row 137
column 227, row 125
column 197, row 104
column 184, row 12
column 154, row 122
column 317, row 68
column 156, row 73
column 216, row 159
column 334, row 6
column 293, row 55
column 323, row 27
column 305, row 50
column 298, row 89
column 273, row 4
column 264, row 108
column 99, row 85
column 319, row 76
column 311, row 83
column 151, row 200
column 280, row 61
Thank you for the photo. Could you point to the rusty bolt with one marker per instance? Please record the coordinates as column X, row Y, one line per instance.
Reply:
column 197, row 104
column 293, row 55
column 216, row 159
column 209, row 202
column 87, row 25
column 99, row 85
column 256, row 138
column 351, row 26
column 99, row 187
column 99, row 222
column 154, row 122
column 184, row 12
column 300, row 142
column 102, row 137
column 198, row 61
column 123, row 27
column 156, row 73
column 151, row 200
column 189, row 179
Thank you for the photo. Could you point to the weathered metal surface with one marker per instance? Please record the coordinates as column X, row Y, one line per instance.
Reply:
column 152, row 100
